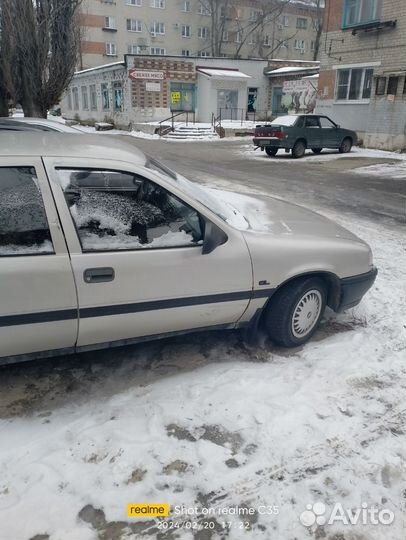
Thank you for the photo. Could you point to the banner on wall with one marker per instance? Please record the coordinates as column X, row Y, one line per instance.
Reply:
column 299, row 95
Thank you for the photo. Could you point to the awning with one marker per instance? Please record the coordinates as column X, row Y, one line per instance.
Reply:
column 215, row 73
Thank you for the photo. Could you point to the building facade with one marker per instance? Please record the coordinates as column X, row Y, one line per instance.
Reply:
column 239, row 29
column 362, row 83
column 147, row 88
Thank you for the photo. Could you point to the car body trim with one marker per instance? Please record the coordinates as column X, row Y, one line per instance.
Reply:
column 353, row 288
column 137, row 307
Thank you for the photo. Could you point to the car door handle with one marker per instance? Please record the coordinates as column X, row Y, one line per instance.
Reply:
column 98, row 275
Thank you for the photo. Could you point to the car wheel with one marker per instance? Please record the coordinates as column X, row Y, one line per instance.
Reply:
column 298, row 149
column 316, row 150
column 294, row 311
column 271, row 150
column 345, row 146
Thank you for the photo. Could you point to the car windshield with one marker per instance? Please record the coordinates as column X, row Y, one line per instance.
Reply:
column 288, row 120
column 222, row 209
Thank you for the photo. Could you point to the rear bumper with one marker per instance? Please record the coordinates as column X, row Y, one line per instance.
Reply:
column 263, row 142
column 353, row 288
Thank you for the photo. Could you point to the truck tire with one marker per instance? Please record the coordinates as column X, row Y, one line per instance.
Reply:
column 271, row 150
column 294, row 311
column 299, row 149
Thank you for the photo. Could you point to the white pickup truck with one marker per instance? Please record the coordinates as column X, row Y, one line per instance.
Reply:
column 101, row 245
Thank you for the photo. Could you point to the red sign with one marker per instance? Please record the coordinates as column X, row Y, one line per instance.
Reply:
column 137, row 74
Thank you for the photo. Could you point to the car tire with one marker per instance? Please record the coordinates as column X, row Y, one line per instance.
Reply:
column 345, row 146
column 294, row 311
column 271, row 150
column 299, row 149
column 317, row 150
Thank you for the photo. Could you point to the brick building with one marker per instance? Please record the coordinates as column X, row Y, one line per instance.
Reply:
column 362, row 82
column 286, row 29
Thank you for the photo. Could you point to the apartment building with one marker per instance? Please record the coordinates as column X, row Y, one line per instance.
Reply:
column 362, row 82
column 239, row 29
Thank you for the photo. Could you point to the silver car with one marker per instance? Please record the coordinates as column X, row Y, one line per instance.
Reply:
column 101, row 245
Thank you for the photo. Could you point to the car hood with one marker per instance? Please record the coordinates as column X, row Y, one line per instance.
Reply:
column 272, row 215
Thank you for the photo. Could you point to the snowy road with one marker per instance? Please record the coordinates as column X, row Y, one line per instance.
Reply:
column 206, row 421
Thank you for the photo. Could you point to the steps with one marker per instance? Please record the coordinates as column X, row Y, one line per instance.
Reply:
column 192, row 132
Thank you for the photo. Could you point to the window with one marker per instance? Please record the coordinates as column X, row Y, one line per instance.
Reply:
column 136, row 3
column 225, row 35
column 326, row 123
column 312, row 122
column 312, row 45
column 404, row 88
column 158, row 4
column 253, row 39
column 204, row 10
column 134, row 49
column 284, row 44
column 204, row 53
column 85, row 98
column 359, row 12
column 316, row 24
column 24, row 226
column 380, row 86
column 157, row 28
column 285, row 20
column 75, row 95
column 239, row 36
column 115, row 211
column 300, row 45
column 111, row 49
column 69, row 98
column 393, row 83
column 186, row 31
column 255, row 14
column 93, row 97
column 185, row 52
column 186, row 6
column 134, row 25
column 110, row 23
column 203, row 32
column 301, row 23
column 354, row 84
column 105, row 96
column 157, row 51
column 118, row 96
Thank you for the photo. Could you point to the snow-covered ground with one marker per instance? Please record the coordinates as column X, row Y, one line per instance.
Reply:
column 211, row 423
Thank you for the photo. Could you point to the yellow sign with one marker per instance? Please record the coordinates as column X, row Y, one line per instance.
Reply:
column 175, row 97
column 148, row 510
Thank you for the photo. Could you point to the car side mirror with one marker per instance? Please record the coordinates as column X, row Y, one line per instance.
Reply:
column 213, row 237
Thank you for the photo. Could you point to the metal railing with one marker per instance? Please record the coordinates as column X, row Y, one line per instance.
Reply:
column 236, row 114
column 161, row 127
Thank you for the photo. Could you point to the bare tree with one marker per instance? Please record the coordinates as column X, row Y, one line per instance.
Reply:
column 316, row 13
column 44, row 42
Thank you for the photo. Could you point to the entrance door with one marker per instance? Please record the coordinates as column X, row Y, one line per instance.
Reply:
column 183, row 97
column 277, row 93
column 227, row 103
column 38, row 307
column 136, row 252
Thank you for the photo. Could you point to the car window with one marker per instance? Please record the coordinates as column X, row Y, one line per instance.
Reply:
column 287, row 121
column 114, row 210
column 312, row 122
column 326, row 123
column 24, row 227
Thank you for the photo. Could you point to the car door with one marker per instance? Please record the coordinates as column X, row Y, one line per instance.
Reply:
column 312, row 130
column 136, row 252
column 38, row 307
column 330, row 134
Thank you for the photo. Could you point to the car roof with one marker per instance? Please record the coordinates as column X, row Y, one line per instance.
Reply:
column 52, row 144
column 29, row 122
